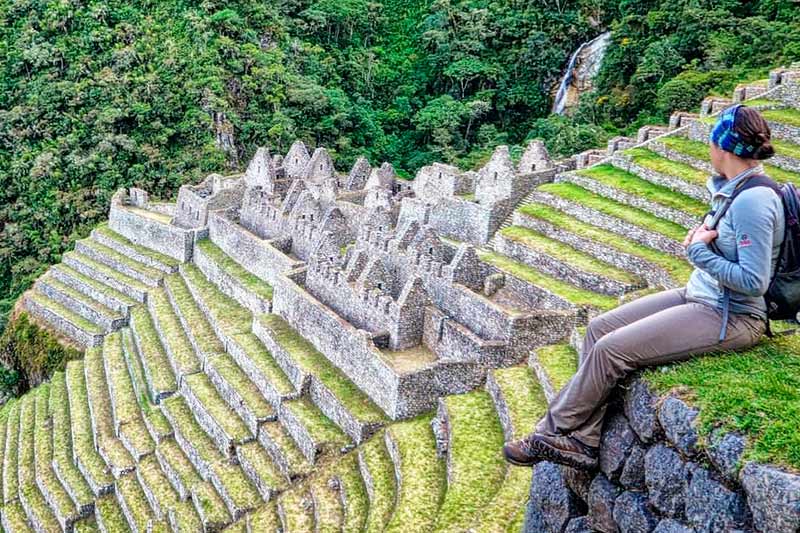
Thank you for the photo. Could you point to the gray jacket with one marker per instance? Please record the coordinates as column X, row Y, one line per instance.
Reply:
column 749, row 240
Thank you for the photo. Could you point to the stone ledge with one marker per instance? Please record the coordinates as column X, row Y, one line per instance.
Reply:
column 653, row 474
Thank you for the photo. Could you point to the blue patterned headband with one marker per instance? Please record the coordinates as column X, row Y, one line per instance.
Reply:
column 724, row 136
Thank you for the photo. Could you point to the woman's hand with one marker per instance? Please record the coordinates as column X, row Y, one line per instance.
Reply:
column 703, row 234
column 690, row 234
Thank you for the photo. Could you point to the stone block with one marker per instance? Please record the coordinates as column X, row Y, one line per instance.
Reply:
column 711, row 506
column 725, row 451
column 616, row 443
column 773, row 496
column 632, row 514
column 602, row 494
column 677, row 419
column 640, row 409
column 552, row 504
column 667, row 480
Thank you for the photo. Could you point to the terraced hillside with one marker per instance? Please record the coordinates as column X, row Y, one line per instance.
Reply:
column 198, row 407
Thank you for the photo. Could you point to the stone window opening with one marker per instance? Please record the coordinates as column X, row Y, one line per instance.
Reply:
column 495, row 176
column 296, row 160
column 430, row 250
column 380, row 286
column 440, row 175
column 320, row 166
column 312, row 218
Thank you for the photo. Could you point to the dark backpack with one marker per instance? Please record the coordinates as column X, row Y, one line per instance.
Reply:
column 783, row 294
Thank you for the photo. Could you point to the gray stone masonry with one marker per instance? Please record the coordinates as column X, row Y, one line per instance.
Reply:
column 696, row 191
column 230, row 285
column 63, row 324
column 76, row 262
column 92, row 311
column 107, row 298
column 132, row 253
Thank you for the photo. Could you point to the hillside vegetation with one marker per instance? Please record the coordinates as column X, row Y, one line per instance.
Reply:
column 98, row 95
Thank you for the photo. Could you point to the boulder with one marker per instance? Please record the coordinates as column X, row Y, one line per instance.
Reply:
column 602, row 494
column 632, row 476
column 632, row 514
column 668, row 525
column 711, row 506
column 667, row 480
column 640, row 409
column 677, row 419
column 552, row 503
column 579, row 525
column 725, row 451
column 773, row 496
column 616, row 443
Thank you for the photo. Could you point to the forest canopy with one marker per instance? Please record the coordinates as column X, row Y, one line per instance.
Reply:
column 96, row 95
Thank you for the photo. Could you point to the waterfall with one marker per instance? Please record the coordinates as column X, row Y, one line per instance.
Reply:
column 595, row 49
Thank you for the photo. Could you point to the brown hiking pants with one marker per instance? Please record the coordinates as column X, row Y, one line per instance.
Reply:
column 659, row 328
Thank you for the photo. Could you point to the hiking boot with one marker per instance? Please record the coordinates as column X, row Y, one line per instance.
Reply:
column 538, row 447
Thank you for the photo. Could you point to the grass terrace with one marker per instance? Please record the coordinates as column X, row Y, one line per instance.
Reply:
column 155, row 361
column 322, row 429
column 632, row 184
column 355, row 493
column 653, row 161
column 108, row 272
column 226, row 312
column 523, row 397
column 786, row 115
column 476, row 465
column 313, row 362
column 296, row 461
column 152, row 215
column 250, row 281
column 95, row 285
column 122, row 259
column 66, row 313
column 699, row 150
column 377, row 462
column 107, row 232
column 677, row 267
column 110, row 514
column 423, row 476
column 571, row 293
column 755, row 392
column 560, row 361
column 207, row 341
column 606, row 206
column 181, row 352
column 266, row 364
column 296, row 514
column 536, row 241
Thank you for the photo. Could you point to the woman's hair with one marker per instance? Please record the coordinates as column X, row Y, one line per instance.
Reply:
column 754, row 130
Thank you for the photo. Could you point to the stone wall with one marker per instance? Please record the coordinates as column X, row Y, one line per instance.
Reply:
column 261, row 257
column 164, row 238
column 654, row 476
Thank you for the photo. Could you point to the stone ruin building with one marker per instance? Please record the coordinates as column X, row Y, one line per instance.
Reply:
column 298, row 348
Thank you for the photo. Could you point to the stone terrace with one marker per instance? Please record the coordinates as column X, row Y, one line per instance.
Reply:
column 282, row 350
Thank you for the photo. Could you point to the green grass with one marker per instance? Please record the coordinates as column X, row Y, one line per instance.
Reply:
column 755, row 392
column 11, row 456
column 789, row 149
column 180, row 351
column 313, row 362
column 567, row 254
column 476, row 465
column 322, row 429
column 15, row 515
column 205, row 338
column 263, row 360
column 212, row 507
column 65, row 289
column 94, row 284
column 376, row 459
column 786, row 115
column 107, row 232
column 523, row 396
column 678, row 268
column 782, row 176
column 43, row 443
column 355, row 493
column 633, row 184
column 154, row 359
column 568, row 292
column 606, row 206
column 265, row 519
column 296, row 461
column 328, row 511
column 115, row 256
column 653, row 161
column 131, row 493
column 238, row 380
column 119, row 381
column 151, row 476
column 107, row 271
column 422, row 473
column 762, row 102
column 182, row 419
column 500, row 514
column 82, row 433
column 153, row 215
column 685, row 145
column 208, row 396
column 254, row 455
column 248, row 280
column 110, row 514
column 97, row 390
column 226, row 312
column 296, row 515
column 560, row 361
column 169, row 451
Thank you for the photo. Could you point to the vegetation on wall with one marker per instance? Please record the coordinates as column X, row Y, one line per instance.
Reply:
column 29, row 354
column 95, row 95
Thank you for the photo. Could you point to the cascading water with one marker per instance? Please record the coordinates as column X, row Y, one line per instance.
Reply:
column 590, row 52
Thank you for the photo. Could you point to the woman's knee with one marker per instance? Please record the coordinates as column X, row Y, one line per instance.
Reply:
column 611, row 356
